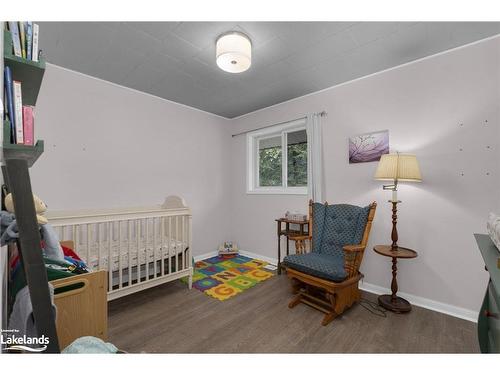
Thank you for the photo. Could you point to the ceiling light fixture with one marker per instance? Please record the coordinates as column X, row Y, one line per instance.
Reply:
column 233, row 52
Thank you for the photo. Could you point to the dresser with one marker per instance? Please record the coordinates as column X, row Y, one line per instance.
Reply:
column 488, row 325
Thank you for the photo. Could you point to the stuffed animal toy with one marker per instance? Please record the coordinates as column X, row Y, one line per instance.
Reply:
column 52, row 248
column 40, row 208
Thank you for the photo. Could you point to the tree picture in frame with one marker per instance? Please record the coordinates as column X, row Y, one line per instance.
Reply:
column 368, row 147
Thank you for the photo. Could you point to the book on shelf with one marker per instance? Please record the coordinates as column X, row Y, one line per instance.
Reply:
column 16, row 41
column 34, row 53
column 21, row 117
column 9, row 101
column 25, row 39
column 18, row 112
column 28, row 124
column 29, row 39
column 22, row 35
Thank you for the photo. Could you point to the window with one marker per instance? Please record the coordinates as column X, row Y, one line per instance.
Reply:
column 277, row 159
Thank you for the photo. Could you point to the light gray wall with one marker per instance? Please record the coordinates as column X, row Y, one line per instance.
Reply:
column 422, row 104
column 108, row 146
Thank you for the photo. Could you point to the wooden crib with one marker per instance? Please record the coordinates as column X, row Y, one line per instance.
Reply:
column 138, row 247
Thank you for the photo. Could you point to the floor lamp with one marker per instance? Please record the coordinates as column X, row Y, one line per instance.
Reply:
column 395, row 168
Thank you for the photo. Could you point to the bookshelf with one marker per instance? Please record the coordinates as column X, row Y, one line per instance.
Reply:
column 30, row 73
column 14, row 151
column 17, row 158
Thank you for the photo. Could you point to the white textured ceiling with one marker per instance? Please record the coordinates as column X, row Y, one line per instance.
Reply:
column 176, row 60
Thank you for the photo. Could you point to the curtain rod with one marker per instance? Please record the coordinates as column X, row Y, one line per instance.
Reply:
column 322, row 114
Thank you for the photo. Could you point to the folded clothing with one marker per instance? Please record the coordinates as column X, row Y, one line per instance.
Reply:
column 493, row 226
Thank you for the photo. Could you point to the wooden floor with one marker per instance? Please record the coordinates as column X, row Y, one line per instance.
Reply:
column 172, row 319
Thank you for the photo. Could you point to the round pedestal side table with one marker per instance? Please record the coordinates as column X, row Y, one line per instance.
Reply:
column 391, row 301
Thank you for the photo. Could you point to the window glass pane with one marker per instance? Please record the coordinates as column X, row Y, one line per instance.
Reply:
column 270, row 161
column 297, row 158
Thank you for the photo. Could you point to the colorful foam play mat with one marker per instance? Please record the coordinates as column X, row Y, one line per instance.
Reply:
column 223, row 278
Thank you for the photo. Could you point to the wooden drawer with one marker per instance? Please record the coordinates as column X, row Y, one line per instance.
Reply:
column 82, row 308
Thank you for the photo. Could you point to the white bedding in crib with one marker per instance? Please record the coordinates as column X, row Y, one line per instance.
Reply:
column 120, row 253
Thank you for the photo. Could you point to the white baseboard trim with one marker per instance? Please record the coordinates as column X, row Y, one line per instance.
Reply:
column 211, row 254
column 249, row 254
column 426, row 303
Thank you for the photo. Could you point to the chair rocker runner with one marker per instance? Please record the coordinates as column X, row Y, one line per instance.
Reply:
column 327, row 278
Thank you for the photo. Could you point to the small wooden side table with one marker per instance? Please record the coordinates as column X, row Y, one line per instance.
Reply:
column 391, row 301
column 289, row 233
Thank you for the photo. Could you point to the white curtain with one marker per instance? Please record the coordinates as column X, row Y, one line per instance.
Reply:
column 314, row 158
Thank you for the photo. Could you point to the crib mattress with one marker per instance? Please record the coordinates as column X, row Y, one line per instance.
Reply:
column 97, row 256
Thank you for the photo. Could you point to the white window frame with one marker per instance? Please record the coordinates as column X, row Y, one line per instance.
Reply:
column 253, row 139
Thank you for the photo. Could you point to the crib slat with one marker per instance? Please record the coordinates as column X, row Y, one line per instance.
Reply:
column 189, row 241
column 146, row 245
column 183, row 257
column 88, row 260
column 75, row 239
column 120, row 276
column 169, row 244
column 99, row 264
column 162, row 244
column 154, row 247
column 129, row 253
column 189, row 263
column 110, row 258
column 138, row 234
column 184, row 252
column 177, row 244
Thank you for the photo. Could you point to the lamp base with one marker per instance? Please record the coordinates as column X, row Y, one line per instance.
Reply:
column 398, row 305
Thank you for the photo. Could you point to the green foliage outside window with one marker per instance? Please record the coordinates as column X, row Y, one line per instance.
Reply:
column 270, row 165
column 297, row 164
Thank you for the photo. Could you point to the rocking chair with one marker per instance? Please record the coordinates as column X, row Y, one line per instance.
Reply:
column 327, row 277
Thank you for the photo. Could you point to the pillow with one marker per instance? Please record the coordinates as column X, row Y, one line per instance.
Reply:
column 493, row 226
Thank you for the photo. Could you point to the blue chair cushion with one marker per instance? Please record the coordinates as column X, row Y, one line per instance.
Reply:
column 337, row 225
column 323, row 266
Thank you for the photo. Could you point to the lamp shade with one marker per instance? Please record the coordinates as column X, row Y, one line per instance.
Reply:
column 233, row 52
column 400, row 167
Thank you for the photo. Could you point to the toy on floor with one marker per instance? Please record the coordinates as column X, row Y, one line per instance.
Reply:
column 228, row 250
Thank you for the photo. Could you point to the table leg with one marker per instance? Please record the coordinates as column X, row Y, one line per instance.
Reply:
column 279, row 255
column 394, row 283
column 287, row 226
column 279, row 248
column 391, row 301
